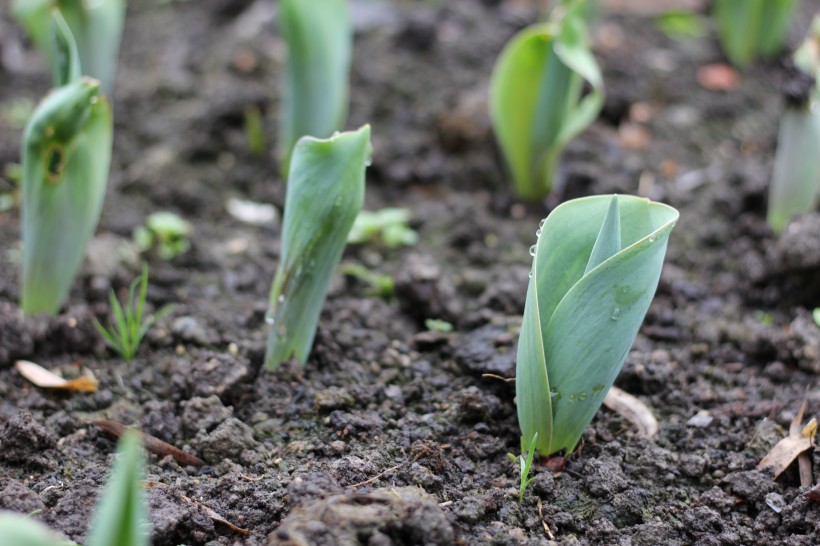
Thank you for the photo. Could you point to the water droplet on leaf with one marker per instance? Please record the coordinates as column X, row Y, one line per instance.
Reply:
column 532, row 250
column 615, row 314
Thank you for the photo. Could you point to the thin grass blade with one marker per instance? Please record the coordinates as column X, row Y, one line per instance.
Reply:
column 66, row 66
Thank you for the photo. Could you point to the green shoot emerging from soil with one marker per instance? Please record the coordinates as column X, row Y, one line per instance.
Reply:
column 795, row 186
column 537, row 100
column 319, row 40
column 165, row 233
column 596, row 266
column 125, row 334
column 525, row 465
column 389, row 225
column 748, row 29
column 96, row 27
column 66, row 156
column 380, row 285
column 325, row 193
column 121, row 516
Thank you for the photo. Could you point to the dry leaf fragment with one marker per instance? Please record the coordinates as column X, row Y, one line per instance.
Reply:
column 813, row 493
column 152, row 444
column 792, row 447
column 46, row 379
column 633, row 410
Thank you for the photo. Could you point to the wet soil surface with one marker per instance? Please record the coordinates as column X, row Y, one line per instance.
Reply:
column 390, row 434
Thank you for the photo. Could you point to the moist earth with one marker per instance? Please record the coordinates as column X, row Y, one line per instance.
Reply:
column 392, row 434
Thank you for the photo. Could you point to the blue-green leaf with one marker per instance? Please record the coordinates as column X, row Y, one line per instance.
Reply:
column 325, row 193
column 66, row 157
column 584, row 309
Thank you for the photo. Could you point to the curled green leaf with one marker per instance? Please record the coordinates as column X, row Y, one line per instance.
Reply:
column 596, row 266
column 537, row 103
column 66, row 157
column 325, row 193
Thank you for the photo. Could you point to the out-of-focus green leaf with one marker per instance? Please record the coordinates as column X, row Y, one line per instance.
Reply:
column 121, row 516
column 681, row 24
column 66, row 59
column 796, row 179
column 325, row 193
column 795, row 186
column 536, row 100
column 96, row 26
column 319, row 39
column 19, row 530
column 66, row 157
column 748, row 29
column 589, row 291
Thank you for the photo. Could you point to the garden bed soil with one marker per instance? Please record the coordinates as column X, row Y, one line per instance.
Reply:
column 391, row 434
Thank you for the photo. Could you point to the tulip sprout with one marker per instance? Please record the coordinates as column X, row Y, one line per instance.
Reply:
column 66, row 156
column 325, row 193
column 537, row 103
column 795, row 183
column 121, row 516
column 596, row 266
column 319, row 40
column 96, row 27
column 748, row 29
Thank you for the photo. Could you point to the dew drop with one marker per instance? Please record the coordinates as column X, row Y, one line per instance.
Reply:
column 582, row 396
column 572, row 397
column 652, row 238
column 281, row 299
column 368, row 163
column 615, row 314
column 530, row 275
column 532, row 250
column 538, row 232
column 269, row 318
column 598, row 388
column 541, row 223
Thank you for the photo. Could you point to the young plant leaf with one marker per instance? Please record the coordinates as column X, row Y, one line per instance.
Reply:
column 589, row 291
column 537, row 103
column 319, row 39
column 325, row 193
column 20, row 530
column 795, row 186
column 121, row 516
column 96, row 27
column 66, row 156
column 748, row 29
column 66, row 59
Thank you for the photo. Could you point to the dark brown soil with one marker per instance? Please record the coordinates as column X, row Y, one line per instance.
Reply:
column 390, row 434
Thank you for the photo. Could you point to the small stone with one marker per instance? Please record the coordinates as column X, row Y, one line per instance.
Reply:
column 701, row 419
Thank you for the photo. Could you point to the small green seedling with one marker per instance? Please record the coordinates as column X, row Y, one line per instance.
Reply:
column 96, row 27
column 389, row 225
column 165, row 233
column 681, row 24
column 748, row 29
column 795, row 186
column 597, row 263
column 121, row 516
column 525, row 465
column 66, row 157
column 325, row 193
column 537, row 100
column 125, row 334
column 319, row 39
column 438, row 325
column 255, row 131
column 381, row 285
